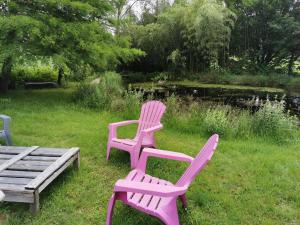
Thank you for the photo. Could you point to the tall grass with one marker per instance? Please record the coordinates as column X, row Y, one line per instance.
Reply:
column 189, row 116
column 269, row 122
column 100, row 95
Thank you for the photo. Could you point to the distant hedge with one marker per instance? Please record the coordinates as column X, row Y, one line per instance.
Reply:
column 38, row 72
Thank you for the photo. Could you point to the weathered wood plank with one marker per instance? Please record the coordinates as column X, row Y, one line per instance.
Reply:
column 27, row 167
column 57, row 173
column 12, row 187
column 12, row 150
column 49, row 152
column 13, row 160
column 12, row 196
column 14, row 180
column 51, row 169
column 29, row 158
column 29, row 162
column 20, row 174
column 35, row 171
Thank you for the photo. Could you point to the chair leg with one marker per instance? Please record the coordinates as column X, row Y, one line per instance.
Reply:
column 108, row 151
column 174, row 220
column 110, row 209
column 133, row 160
column 8, row 139
column 184, row 201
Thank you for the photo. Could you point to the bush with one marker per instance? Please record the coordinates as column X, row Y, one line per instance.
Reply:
column 100, row 96
column 34, row 72
column 217, row 121
column 133, row 102
column 272, row 121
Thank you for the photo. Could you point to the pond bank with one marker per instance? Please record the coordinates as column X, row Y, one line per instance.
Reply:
column 234, row 95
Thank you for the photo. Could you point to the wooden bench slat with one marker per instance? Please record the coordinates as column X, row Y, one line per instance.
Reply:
column 21, row 174
column 12, row 187
column 16, row 158
column 51, row 169
column 36, row 168
column 39, row 152
column 16, row 149
column 35, row 158
column 13, row 180
column 29, row 162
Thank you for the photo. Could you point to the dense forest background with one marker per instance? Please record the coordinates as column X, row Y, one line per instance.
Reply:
column 51, row 39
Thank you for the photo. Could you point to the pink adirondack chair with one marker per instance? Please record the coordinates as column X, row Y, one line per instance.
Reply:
column 149, row 122
column 153, row 195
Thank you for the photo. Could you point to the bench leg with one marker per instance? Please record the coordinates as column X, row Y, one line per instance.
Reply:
column 76, row 163
column 35, row 206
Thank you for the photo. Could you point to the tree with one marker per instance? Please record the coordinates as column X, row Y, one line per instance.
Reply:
column 195, row 35
column 266, row 33
column 72, row 33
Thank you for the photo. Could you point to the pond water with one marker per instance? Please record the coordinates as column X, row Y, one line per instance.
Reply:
column 236, row 96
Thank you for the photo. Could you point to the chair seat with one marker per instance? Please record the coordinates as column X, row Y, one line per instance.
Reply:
column 131, row 142
column 147, row 203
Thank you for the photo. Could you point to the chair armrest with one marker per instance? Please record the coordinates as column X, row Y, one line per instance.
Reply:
column 123, row 123
column 146, row 131
column 148, row 188
column 152, row 129
column 142, row 163
column 113, row 127
column 6, row 121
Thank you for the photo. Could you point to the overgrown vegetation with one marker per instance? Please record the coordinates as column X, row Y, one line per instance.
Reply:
column 213, row 77
column 269, row 122
column 253, row 37
column 71, row 34
column 248, row 181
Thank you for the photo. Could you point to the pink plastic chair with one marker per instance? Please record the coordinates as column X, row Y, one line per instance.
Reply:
column 149, row 122
column 153, row 195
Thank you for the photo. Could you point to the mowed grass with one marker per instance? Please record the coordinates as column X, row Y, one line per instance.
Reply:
column 246, row 182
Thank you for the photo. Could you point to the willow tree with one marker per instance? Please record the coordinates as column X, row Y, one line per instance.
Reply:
column 188, row 35
column 208, row 26
column 72, row 33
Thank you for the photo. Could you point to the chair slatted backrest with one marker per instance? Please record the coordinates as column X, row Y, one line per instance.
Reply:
column 200, row 161
column 151, row 114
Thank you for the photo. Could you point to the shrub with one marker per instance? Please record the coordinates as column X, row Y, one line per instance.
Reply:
column 133, row 102
column 34, row 72
column 271, row 120
column 100, row 96
column 217, row 121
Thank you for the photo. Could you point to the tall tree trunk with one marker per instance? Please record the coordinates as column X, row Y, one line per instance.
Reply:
column 60, row 76
column 5, row 74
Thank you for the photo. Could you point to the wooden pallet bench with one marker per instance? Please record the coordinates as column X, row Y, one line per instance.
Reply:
column 26, row 171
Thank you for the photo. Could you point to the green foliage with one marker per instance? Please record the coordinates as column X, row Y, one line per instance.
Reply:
column 132, row 104
column 190, row 36
column 34, row 72
column 216, row 121
column 101, row 95
column 271, row 120
column 248, row 181
column 266, row 34
column 71, row 33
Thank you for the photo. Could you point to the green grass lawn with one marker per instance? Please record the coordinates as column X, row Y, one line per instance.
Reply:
column 246, row 182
